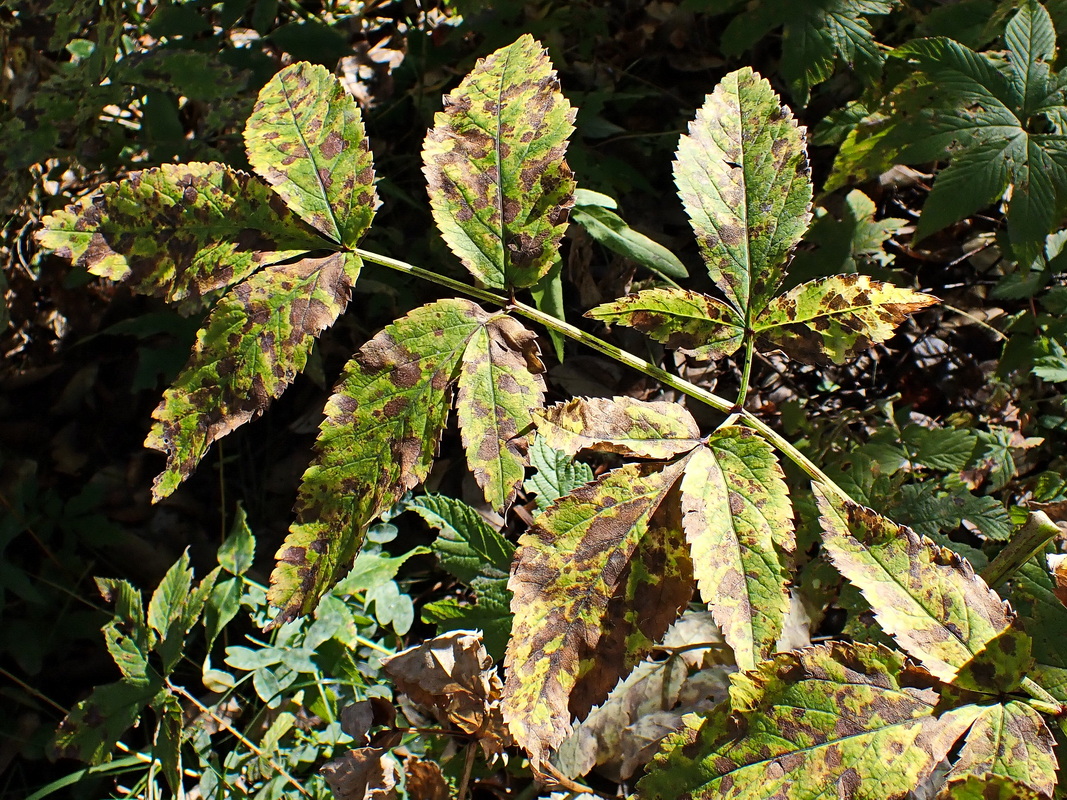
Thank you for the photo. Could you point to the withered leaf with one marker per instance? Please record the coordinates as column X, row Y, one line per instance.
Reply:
column 368, row 773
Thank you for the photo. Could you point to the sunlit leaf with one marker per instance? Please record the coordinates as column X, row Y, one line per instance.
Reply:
column 683, row 320
column 306, row 138
column 742, row 174
column 556, row 473
column 837, row 318
column 499, row 186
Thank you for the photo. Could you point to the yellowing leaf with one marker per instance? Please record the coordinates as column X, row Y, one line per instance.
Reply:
column 742, row 174
column 381, row 431
column 837, row 720
column 1007, row 742
column 739, row 524
column 497, row 393
column 596, row 582
column 253, row 344
column 499, row 186
column 928, row 598
column 619, row 425
column 687, row 321
column 837, row 318
column 180, row 232
column 305, row 137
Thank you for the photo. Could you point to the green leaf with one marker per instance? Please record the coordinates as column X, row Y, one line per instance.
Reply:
column 169, row 600
column 180, row 232
column 837, row 318
column 928, row 598
column 91, row 729
column 305, row 137
column 491, row 614
column 619, row 425
column 557, row 473
column 1031, row 41
column 497, row 397
column 817, row 36
column 742, row 174
column 127, row 636
column 611, row 230
column 238, row 551
column 252, row 346
column 596, row 582
column 739, row 524
column 843, row 720
column 687, row 321
column 1008, row 742
column 466, row 546
column 499, row 186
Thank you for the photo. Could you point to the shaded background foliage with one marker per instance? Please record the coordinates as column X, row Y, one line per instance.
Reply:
column 970, row 396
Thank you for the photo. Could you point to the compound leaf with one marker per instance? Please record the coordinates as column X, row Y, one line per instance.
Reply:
column 499, row 186
column 1007, row 742
column 687, row 321
column 619, row 425
column 180, row 231
column 255, row 341
column 742, row 174
column 596, row 582
column 837, row 318
column 844, row 720
column 497, row 396
column 378, row 440
column 928, row 598
column 305, row 138
column 739, row 524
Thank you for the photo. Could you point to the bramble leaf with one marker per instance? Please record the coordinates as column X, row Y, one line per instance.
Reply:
column 846, row 720
column 619, row 425
column 1007, row 742
column 739, row 525
column 928, row 598
column 180, row 231
column 837, row 318
column 466, row 546
column 742, row 174
column 305, row 138
column 499, row 186
column 597, row 580
column 380, row 433
column 817, row 35
column 556, row 473
column 497, row 392
column 687, row 321
column 255, row 341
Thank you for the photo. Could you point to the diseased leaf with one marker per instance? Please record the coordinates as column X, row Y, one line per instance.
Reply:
column 499, row 186
column 1007, row 742
column 497, row 396
column 556, row 473
column 739, row 525
column 305, row 137
column 742, row 174
column 835, row 720
column 836, row 319
column 253, row 344
column 596, row 582
column 687, row 321
column 619, row 425
column 180, row 232
column 987, row 787
column 91, row 729
column 454, row 679
column 928, row 598
column 377, row 441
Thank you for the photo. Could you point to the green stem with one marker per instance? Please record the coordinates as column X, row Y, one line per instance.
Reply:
column 622, row 356
column 1029, row 540
column 746, row 373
